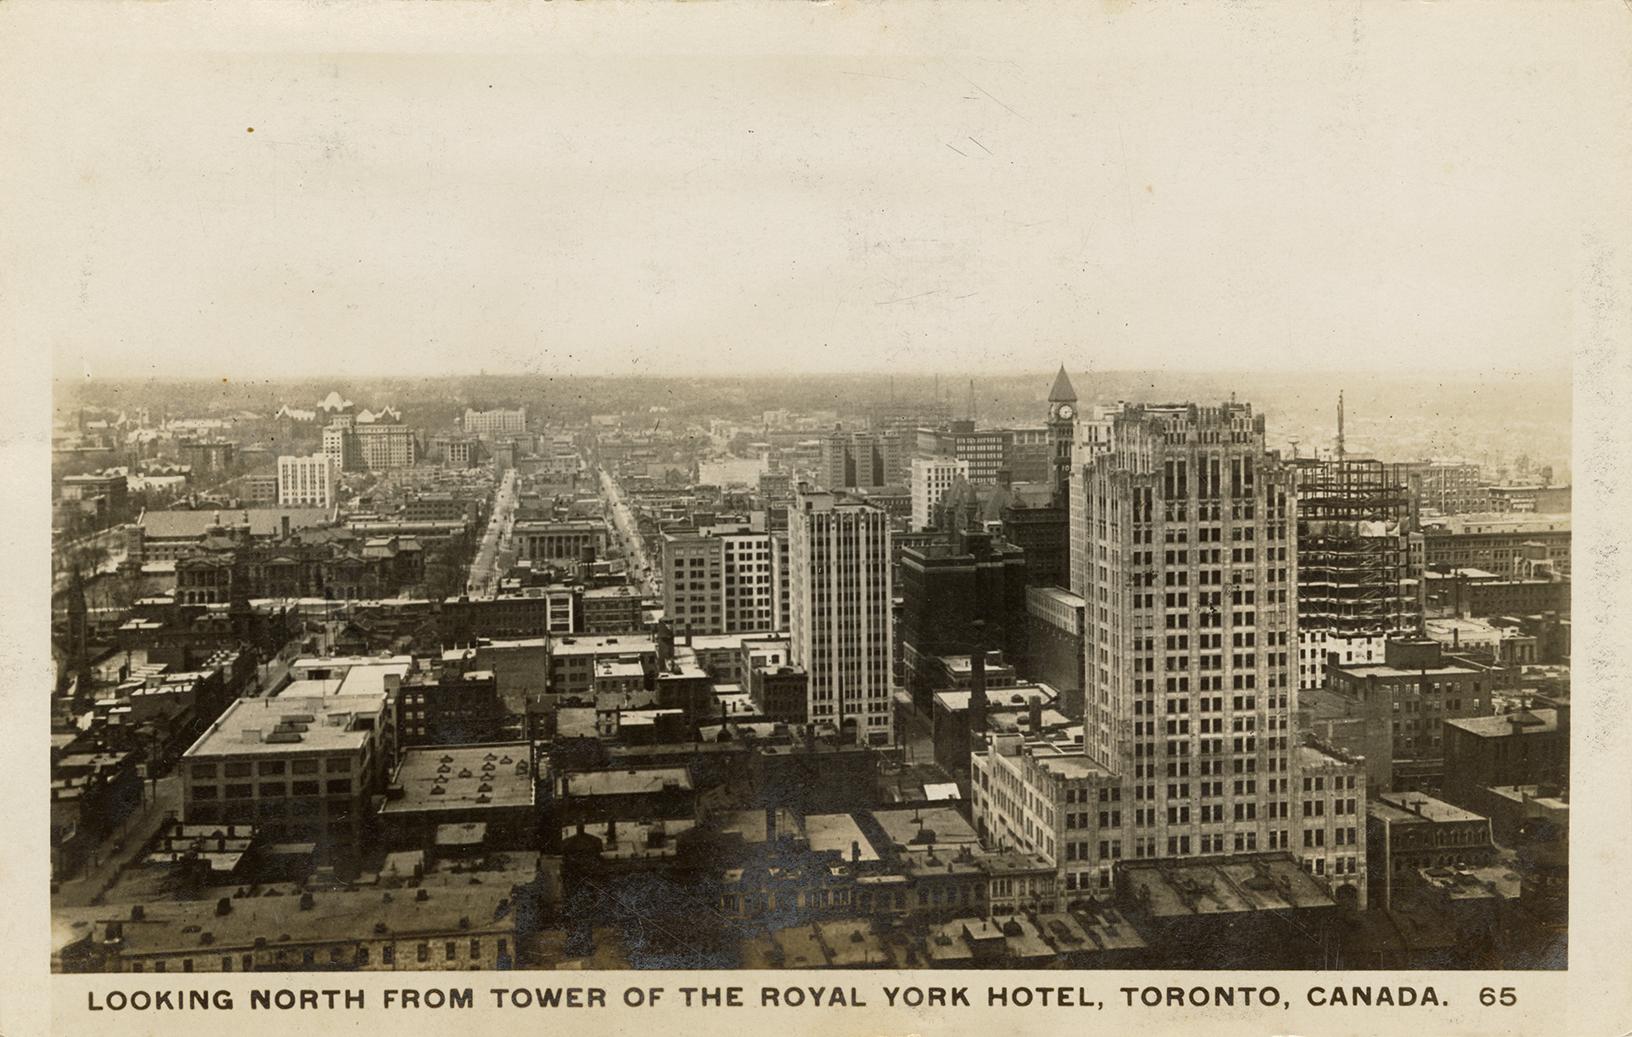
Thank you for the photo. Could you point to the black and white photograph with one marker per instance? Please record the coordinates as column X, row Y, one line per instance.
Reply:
column 1066, row 496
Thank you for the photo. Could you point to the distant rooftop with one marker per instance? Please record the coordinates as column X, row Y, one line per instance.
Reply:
column 1505, row 522
column 628, row 782
column 177, row 524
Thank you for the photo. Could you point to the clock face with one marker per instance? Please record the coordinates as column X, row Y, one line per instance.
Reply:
column 1066, row 413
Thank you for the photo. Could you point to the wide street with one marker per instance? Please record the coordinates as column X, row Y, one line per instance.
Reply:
column 485, row 567
column 626, row 535
column 122, row 846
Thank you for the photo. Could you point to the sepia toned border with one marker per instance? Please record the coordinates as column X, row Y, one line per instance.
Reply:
column 1592, row 997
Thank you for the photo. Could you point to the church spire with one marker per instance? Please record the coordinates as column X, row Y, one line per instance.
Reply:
column 1063, row 391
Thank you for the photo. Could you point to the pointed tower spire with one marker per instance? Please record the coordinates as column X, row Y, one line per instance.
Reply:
column 1063, row 391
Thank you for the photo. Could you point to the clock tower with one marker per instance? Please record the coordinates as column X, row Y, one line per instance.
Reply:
column 1062, row 424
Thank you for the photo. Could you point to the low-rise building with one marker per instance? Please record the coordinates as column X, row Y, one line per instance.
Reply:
column 448, row 927
column 1524, row 747
column 545, row 542
column 1332, row 820
column 1418, row 688
column 1409, row 831
column 459, row 800
column 295, row 767
column 1047, row 798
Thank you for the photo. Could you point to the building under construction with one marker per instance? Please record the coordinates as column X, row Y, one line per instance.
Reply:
column 1355, row 585
column 1353, row 547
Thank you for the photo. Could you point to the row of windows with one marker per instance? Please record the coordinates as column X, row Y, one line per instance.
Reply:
column 336, row 786
column 243, row 769
column 360, row 957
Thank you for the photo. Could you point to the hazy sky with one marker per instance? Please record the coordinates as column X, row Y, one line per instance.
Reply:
column 717, row 188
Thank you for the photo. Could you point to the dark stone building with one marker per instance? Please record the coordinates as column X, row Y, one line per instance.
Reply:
column 945, row 591
column 1044, row 534
column 1527, row 747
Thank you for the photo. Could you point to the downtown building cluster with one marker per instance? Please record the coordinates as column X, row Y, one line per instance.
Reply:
column 1105, row 690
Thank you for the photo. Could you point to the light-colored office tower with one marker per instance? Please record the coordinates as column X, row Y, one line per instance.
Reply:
column 307, row 481
column 931, row 478
column 839, row 557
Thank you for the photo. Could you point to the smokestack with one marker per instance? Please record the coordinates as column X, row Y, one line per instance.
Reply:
column 977, row 680
column 1034, row 712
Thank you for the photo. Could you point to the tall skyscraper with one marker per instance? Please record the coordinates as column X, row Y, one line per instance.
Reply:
column 862, row 459
column 1188, row 575
column 839, row 559
column 1184, row 553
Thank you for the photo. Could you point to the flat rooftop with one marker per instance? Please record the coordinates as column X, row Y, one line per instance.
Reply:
column 305, row 663
column 176, row 524
column 1505, row 522
column 1412, row 806
column 1222, row 885
column 1547, row 799
column 632, row 644
column 310, row 688
column 1070, row 763
column 835, row 833
column 912, row 826
column 633, row 840
column 629, row 782
column 1522, row 722
column 750, row 824
column 1450, row 628
column 1058, row 595
column 193, row 925
column 462, row 777
column 282, row 725
column 369, row 678
column 575, row 722
column 1016, row 696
